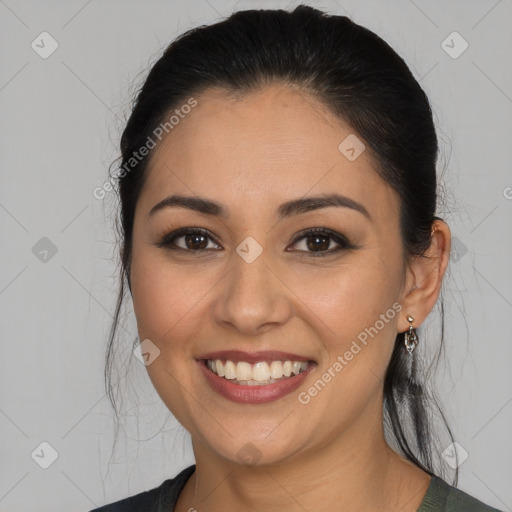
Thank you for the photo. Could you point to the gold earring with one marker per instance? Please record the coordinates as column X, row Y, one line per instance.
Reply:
column 410, row 337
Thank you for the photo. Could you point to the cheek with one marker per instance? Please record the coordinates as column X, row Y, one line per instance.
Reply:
column 353, row 311
column 348, row 298
column 164, row 296
column 356, row 310
column 166, row 305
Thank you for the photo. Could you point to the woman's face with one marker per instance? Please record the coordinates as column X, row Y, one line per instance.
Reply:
column 252, row 291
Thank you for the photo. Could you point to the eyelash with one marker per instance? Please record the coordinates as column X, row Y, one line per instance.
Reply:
column 168, row 240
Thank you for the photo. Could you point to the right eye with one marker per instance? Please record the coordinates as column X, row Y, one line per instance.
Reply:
column 195, row 240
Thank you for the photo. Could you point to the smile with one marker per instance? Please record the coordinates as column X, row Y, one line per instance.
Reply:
column 254, row 378
column 256, row 374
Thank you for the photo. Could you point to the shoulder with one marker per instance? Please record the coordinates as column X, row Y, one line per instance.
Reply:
column 443, row 497
column 161, row 498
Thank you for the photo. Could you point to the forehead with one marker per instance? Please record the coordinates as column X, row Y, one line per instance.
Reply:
column 262, row 148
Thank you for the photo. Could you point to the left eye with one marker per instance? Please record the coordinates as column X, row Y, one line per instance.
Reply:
column 319, row 240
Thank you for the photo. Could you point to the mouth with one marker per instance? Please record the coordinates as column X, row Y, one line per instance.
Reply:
column 261, row 373
column 254, row 378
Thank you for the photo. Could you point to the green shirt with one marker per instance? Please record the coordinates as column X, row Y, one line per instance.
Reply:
column 440, row 497
column 443, row 497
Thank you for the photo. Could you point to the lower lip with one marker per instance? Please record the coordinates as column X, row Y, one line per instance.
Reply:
column 253, row 394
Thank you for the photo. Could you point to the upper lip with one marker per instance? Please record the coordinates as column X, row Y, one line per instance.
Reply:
column 254, row 357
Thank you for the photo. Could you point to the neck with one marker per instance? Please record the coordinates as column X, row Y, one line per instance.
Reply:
column 353, row 471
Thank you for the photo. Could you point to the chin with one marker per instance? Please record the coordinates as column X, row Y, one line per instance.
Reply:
column 252, row 451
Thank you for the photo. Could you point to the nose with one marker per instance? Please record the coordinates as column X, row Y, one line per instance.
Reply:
column 253, row 298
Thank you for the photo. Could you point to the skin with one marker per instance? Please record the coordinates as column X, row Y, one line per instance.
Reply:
column 252, row 154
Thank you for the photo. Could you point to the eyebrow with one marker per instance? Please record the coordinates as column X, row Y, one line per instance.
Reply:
column 293, row 207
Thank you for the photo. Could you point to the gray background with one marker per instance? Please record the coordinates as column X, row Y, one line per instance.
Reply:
column 60, row 124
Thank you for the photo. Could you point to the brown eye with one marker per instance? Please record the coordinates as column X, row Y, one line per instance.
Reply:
column 319, row 240
column 194, row 240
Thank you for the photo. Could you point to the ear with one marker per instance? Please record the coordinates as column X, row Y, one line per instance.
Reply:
column 424, row 276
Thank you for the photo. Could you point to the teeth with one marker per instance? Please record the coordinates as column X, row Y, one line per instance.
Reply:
column 296, row 367
column 276, row 369
column 229, row 370
column 243, row 371
column 258, row 373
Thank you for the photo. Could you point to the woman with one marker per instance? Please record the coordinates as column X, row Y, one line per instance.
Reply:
column 280, row 244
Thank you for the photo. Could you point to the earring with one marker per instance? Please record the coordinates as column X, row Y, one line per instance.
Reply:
column 410, row 337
